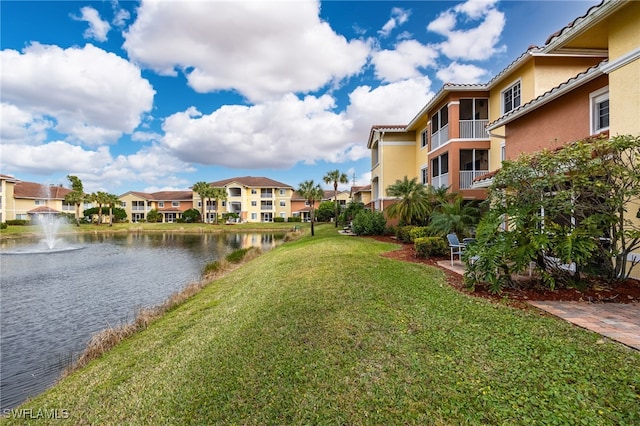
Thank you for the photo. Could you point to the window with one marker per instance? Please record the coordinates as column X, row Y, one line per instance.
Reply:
column 283, row 203
column 235, row 192
column 123, row 204
column 175, row 204
column 283, row 192
column 254, row 216
column 160, row 204
column 254, row 192
column 424, row 172
column 41, row 202
column 599, row 110
column 503, row 152
column 424, row 138
column 474, row 109
column 511, row 98
column 440, row 119
column 254, row 204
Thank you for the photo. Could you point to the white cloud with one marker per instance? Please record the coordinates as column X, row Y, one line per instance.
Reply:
column 98, row 29
column 462, row 73
column 120, row 16
column 91, row 95
column 398, row 17
column 19, row 126
column 404, row 61
column 261, row 49
column 395, row 103
column 470, row 43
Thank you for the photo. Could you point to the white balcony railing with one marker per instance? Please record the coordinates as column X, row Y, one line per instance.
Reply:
column 440, row 137
column 473, row 129
column 467, row 177
column 440, row 181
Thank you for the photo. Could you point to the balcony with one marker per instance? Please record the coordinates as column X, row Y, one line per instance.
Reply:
column 440, row 137
column 440, row 181
column 266, row 206
column 473, row 129
column 467, row 177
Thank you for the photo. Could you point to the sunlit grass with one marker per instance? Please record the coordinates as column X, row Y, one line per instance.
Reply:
column 323, row 330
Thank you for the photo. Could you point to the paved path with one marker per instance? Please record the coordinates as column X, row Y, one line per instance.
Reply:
column 617, row 321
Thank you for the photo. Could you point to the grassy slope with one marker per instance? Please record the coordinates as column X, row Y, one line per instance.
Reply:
column 325, row 331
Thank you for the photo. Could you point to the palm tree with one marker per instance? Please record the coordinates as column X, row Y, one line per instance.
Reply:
column 454, row 217
column 218, row 194
column 101, row 198
column 76, row 196
column 335, row 177
column 413, row 201
column 111, row 200
column 311, row 193
column 201, row 188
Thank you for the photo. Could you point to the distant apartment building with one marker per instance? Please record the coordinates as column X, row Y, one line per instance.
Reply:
column 253, row 199
column 30, row 200
column 170, row 204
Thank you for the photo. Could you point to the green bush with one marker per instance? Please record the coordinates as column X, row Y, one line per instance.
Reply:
column 420, row 232
column 294, row 219
column 369, row 223
column 236, row 256
column 18, row 222
column 431, row 247
column 278, row 219
column 3, row 225
column 403, row 233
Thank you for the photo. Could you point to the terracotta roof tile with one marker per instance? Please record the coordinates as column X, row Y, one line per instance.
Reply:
column 252, row 182
column 39, row 191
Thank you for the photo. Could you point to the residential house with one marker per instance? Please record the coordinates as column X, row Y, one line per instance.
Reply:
column 447, row 144
column 361, row 194
column 30, row 200
column 393, row 152
column 253, row 199
column 170, row 204
column 602, row 99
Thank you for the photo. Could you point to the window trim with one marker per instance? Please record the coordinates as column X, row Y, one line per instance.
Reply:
column 510, row 87
column 596, row 98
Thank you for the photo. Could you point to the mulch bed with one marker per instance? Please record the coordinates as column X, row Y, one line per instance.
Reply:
column 625, row 291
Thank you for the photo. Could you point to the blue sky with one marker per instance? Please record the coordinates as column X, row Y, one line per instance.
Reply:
column 158, row 95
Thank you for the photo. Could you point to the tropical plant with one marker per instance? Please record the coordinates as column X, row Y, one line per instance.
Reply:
column 325, row 211
column 352, row 209
column 412, row 206
column 311, row 192
column 100, row 198
column 218, row 195
column 202, row 188
column 154, row 216
column 457, row 216
column 111, row 200
column 336, row 177
column 190, row 216
column 76, row 196
column 564, row 211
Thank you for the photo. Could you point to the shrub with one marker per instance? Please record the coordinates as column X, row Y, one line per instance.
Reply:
column 294, row 219
column 369, row 223
column 212, row 268
column 278, row 219
column 3, row 225
column 430, row 247
column 420, row 232
column 402, row 233
column 18, row 222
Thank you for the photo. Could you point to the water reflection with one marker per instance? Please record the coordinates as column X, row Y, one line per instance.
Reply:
column 52, row 303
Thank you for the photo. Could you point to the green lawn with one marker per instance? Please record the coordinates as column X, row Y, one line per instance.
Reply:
column 323, row 330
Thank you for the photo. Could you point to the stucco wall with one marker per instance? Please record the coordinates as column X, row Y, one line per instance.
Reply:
column 564, row 120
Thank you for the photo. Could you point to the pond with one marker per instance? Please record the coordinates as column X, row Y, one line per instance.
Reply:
column 52, row 303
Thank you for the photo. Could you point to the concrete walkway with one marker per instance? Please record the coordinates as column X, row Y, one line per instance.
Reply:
column 617, row 321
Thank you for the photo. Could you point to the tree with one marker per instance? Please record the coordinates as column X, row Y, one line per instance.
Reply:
column 202, row 189
column 76, row 196
column 335, row 177
column 325, row 211
column 111, row 200
column 412, row 206
column 154, row 216
column 218, row 195
column 190, row 216
column 101, row 198
column 311, row 192
column 566, row 207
